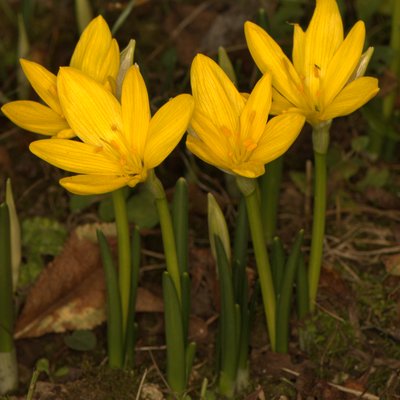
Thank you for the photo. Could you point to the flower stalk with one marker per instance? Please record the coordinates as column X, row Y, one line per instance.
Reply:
column 167, row 231
column 320, row 144
column 248, row 188
column 124, row 254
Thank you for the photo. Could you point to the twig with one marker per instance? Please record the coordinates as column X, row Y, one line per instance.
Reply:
column 141, row 384
column 359, row 393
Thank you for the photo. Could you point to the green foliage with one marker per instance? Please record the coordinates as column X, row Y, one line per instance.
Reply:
column 81, row 340
column 375, row 177
column 140, row 208
column 41, row 237
column 327, row 339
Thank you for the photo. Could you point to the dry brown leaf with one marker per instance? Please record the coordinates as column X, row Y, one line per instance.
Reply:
column 392, row 264
column 70, row 293
column 148, row 302
column 67, row 289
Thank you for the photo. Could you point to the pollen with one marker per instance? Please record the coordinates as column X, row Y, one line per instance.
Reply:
column 249, row 145
column 225, row 131
column 115, row 145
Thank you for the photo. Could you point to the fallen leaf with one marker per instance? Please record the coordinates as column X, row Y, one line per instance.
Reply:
column 392, row 264
column 70, row 293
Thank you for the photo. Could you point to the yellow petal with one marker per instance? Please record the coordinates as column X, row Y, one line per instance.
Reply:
column 214, row 93
column 279, row 103
column 96, row 54
column 210, row 134
column 269, row 57
column 323, row 37
column 75, row 156
column 298, row 50
column 35, row 117
column 255, row 113
column 110, row 63
column 250, row 169
column 352, row 97
column 44, row 83
column 94, row 184
column 92, row 111
column 343, row 64
column 207, row 153
column 279, row 134
column 167, row 128
column 135, row 110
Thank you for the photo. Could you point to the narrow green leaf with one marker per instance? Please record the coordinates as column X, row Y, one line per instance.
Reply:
column 15, row 235
column 130, row 337
column 226, row 64
column 228, row 323
column 176, row 355
column 277, row 265
column 6, row 299
column 114, row 311
column 302, row 289
column 283, row 310
column 240, row 253
column 185, row 281
column 270, row 184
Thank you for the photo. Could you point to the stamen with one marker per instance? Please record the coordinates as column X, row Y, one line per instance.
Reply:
column 115, row 145
column 249, row 145
column 225, row 131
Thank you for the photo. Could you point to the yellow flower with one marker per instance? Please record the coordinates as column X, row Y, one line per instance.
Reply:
column 96, row 54
column 231, row 132
column 320, row 82
column 120, row 142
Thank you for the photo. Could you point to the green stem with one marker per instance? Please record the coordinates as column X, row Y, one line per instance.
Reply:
column 248, row 188
column 124, row 254
column 180, row 215
column 167, row 232
column 269, row 187
column 320, row 142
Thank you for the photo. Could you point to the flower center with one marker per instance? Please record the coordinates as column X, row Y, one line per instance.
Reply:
column 238, row 149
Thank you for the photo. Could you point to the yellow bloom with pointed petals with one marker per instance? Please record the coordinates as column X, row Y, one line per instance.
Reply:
column 231, row 132
column 120, row 142
column 320, row 82
column 96, row 54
